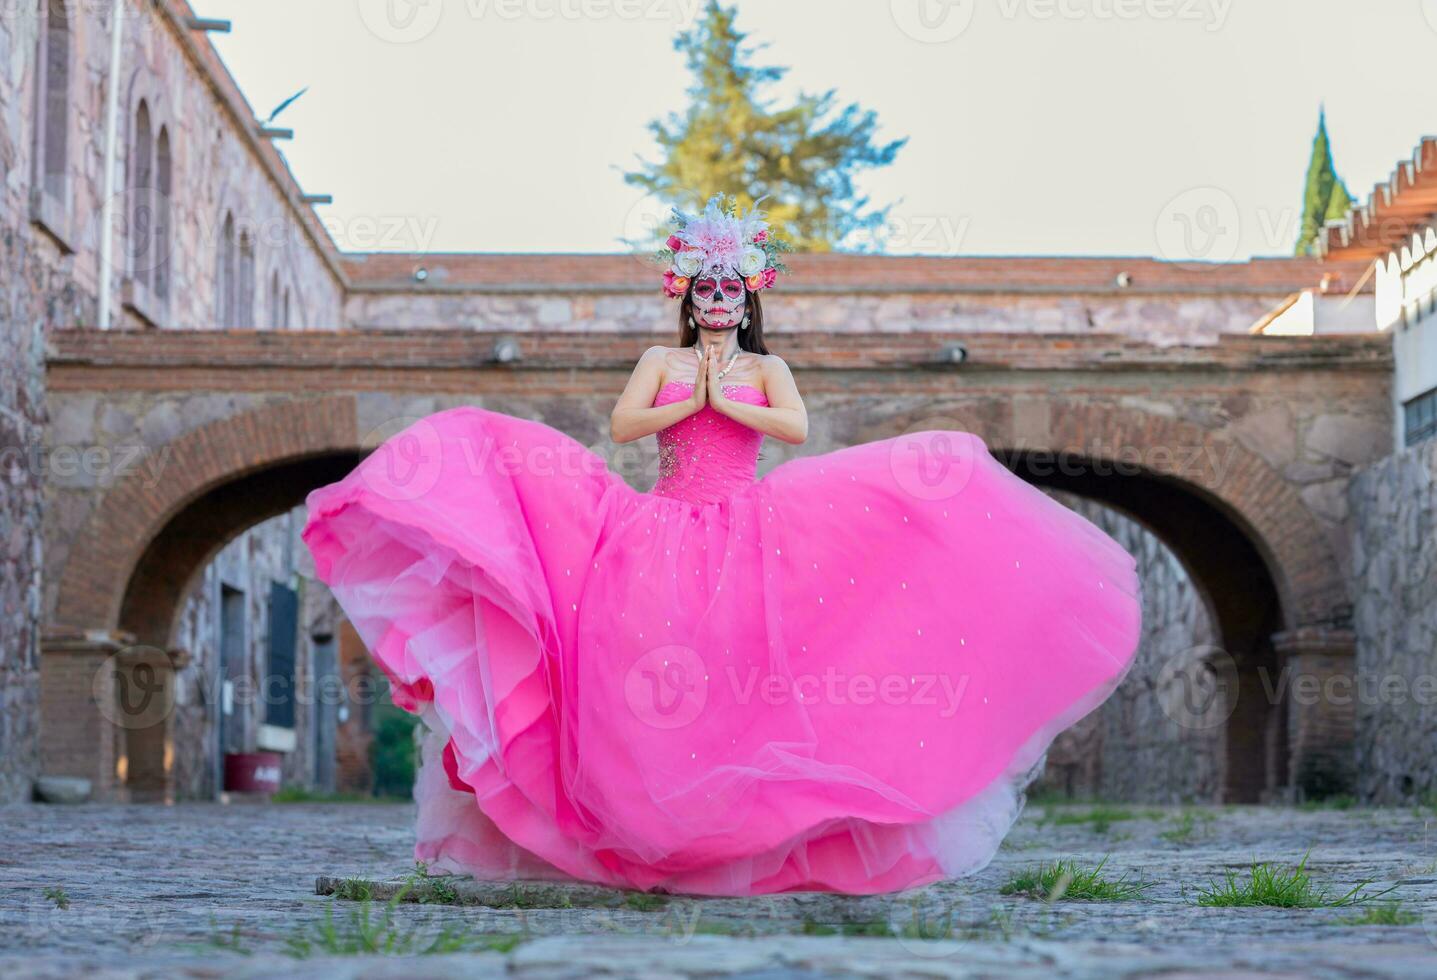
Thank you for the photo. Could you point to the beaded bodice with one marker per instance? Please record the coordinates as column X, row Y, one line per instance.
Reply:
column 707, row 456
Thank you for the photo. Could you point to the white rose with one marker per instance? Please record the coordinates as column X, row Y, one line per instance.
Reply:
column 751, row 262
column 688, row 262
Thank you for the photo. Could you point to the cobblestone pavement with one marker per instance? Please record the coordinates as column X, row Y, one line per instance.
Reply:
column 206, row 890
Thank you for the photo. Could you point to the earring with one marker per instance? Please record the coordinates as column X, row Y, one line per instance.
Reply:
column 691, row 322
column 745, row 323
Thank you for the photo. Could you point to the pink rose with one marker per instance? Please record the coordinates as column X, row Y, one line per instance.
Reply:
column 674, row 244
column 762, row 280
column 675, row 285
column 760, row 238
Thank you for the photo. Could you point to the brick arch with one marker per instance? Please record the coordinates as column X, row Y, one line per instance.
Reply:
column 1259, row 558
column 295, row 436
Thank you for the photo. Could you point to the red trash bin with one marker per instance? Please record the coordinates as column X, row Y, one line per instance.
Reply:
column 252, row 772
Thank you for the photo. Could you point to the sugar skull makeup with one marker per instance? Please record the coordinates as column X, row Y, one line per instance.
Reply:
column 720, row 255
column 719, row 303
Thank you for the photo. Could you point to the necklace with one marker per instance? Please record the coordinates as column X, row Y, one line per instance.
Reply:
column 731, row 362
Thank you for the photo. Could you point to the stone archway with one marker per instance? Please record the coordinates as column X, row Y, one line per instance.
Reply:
column 1264, row 566
column 1222, row 508
column 125, row 580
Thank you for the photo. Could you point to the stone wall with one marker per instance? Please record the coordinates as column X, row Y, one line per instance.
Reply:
column 1161, row 318
column 1158, row 738
column 22, row 474
column 218, row 168
column 1394, row 563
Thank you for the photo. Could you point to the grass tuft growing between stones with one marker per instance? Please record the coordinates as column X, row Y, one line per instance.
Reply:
column 1268, row 884
column 1382, row 914
column 1100, row 818
column 873, row 928
column 57, row 895
column 1339, row 801
column 354, row 890
column 645, row 902
column 1069, row 880
column 1187, row 827
column 367, row 933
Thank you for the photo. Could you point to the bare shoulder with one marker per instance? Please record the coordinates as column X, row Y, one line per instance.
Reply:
column 774, row 366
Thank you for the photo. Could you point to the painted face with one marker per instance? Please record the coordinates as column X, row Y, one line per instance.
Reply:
column 719, row 302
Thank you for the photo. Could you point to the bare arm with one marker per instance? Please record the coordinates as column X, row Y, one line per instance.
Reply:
column 635, row 414
column 783, row 418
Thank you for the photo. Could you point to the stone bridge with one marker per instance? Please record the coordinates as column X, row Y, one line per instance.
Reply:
column 165, row 445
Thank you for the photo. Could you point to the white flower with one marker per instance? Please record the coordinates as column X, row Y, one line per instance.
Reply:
column 688, row 262
column 752, row 262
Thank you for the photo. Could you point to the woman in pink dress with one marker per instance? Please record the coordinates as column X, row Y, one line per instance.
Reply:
column 839, row 677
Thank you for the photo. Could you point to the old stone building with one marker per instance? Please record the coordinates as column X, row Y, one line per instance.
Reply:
column 180, row 367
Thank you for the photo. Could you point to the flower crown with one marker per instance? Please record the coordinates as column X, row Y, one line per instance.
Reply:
column 721, row 241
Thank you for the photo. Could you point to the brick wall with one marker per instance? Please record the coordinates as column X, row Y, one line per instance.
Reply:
column 355, row 772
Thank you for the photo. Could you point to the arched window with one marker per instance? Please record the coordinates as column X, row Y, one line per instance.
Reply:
column 244, row 305
column 57, row 96
column 164, row 182
column 141, row 217
column 226, row 268
column 52, row 122
column 272, row 302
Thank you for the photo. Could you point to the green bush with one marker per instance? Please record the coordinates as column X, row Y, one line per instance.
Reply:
column 393, row 752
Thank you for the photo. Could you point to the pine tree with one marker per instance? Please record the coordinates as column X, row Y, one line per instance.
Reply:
column 1325, row 197
column 730, row 139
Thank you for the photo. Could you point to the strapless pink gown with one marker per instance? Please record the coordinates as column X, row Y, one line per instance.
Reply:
column 839, row 677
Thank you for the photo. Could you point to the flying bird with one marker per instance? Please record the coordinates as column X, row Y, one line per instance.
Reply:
column 285, row 105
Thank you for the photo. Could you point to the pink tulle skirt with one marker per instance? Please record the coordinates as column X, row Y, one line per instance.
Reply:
column 840, row 678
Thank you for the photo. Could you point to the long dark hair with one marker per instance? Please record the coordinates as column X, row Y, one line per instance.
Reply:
column 750, row 340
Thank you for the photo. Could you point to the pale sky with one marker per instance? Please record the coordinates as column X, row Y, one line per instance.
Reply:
column 1173, row 128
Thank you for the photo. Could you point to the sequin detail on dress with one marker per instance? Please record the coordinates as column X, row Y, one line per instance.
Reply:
column 708, row 455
